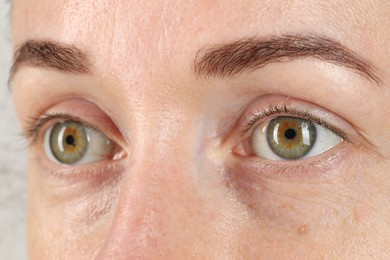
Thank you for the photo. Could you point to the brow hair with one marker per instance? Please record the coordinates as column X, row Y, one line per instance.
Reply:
column 254, row 53
column 49, row 54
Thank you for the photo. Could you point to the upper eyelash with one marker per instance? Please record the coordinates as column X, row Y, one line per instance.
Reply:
column 283, row 109
column 35, row 124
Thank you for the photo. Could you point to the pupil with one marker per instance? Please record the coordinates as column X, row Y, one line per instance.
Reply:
column 290, row 133
column 70, row 140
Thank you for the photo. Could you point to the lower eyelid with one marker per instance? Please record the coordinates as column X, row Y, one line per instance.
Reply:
column 57, row 175
column 285, row 199
column 323, row 166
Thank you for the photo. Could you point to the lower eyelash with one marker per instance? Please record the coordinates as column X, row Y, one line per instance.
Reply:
column 283, row 109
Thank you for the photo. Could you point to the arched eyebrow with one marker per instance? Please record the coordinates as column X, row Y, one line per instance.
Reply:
column 52, row 55
column 250, row 54
column 218, row 61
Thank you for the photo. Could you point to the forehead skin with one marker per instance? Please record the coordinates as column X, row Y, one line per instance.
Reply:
column 141, row 44
column 122, row 29
column 144, row 51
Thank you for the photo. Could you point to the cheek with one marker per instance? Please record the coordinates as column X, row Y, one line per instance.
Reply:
column 319, row 203
column 70, row 221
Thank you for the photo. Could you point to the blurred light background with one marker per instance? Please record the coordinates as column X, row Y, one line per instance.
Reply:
column 13, row 155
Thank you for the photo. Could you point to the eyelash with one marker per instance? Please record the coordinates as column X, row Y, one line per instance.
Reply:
column 282, row 109
column 35, row 124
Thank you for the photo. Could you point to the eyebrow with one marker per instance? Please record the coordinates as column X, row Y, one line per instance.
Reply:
column 218, row 61
column 52, row 55
column 251, row 54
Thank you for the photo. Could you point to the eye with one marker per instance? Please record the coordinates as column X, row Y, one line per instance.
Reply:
column 291, row 138
column 72, row 143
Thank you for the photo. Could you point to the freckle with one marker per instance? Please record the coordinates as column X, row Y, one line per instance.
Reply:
column 303, row 230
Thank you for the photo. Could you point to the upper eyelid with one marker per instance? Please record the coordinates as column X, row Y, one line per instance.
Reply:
column 36, row 124
column 283, row 109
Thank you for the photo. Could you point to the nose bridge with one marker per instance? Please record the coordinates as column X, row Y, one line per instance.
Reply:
column 140, row 218
column 159, row 180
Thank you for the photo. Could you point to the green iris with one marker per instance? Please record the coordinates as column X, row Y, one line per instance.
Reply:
column 68, row 142
column 290, row 137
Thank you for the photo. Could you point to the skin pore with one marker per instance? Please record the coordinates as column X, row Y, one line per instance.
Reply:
column 177, row 91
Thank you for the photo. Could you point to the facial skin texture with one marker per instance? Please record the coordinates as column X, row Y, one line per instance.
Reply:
column 183, row 188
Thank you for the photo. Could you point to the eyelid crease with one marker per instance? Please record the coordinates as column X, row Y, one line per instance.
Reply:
column 283, row 109
column 35, row 124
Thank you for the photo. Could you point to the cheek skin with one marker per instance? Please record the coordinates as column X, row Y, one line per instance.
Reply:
column 331, row 213
column 83, row 217
column 289, row 196
column 68, row 218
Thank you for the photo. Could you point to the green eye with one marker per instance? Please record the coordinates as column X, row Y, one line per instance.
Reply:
column 291, row 138
column 73, row 143
column 68, row 142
